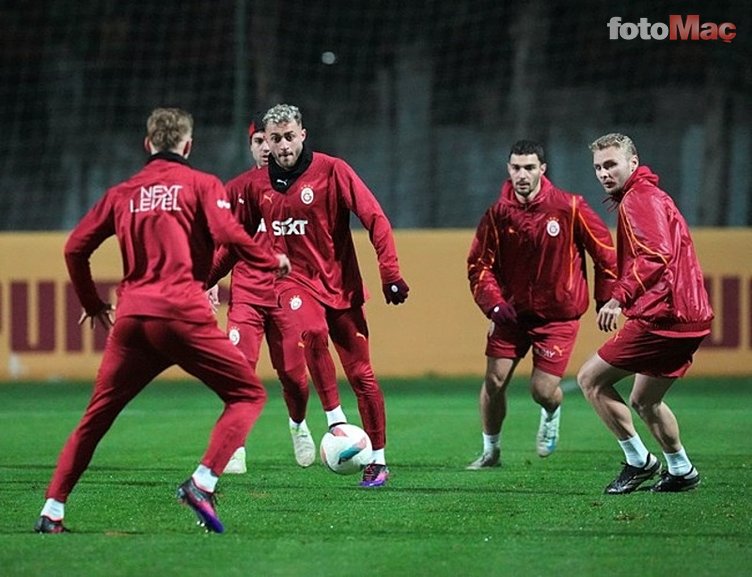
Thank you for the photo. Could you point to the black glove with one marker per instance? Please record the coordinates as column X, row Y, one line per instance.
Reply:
column 395, row 292
column 503, row 313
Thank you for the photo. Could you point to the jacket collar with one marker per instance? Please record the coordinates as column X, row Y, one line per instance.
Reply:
column 169, row 156
column 643, row 175
column 281, row 179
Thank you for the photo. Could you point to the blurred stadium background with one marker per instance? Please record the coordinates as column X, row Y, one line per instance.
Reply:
column 423, row 97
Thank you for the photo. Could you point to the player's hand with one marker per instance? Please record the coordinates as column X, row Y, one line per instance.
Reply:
column 213, row 295
column 503, row 313
column 283, row 267
column 608, row 316
column 105, row 316
column 395, row 292
column 599, row 305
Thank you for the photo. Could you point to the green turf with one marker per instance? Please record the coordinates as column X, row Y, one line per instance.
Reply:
column 533, row 516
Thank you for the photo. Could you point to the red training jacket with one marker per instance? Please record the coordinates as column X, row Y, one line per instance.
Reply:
column 533, row 255
column 167, row 219
column 310, row 222
column 660, row 279
column 248, row 284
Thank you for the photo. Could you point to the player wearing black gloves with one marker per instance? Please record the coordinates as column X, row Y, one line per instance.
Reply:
column 527, row 273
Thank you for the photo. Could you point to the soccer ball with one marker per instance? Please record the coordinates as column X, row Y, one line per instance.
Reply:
column 346, row 449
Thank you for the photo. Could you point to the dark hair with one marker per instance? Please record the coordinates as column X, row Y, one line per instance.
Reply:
column 528, row 147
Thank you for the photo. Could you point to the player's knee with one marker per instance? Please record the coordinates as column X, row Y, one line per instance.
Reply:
column 293, row 378
column 494, row 382
column 544, row 398
column 360, row 375
column 586, row 382
column 316, row 339
column 639, row 406
column 643, row 406
column 256, row 396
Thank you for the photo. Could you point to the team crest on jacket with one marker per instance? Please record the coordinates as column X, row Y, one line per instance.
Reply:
column 553, row 228
column 234, row 335
column 295, row 302
column 306, row 195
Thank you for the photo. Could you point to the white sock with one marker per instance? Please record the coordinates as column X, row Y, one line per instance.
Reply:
column 205, row 479
column 302, row 425
column 336, row 415
column 53, row 509
column 378, row 457
column 491, row 442
column 678, row 463
column 635, row 451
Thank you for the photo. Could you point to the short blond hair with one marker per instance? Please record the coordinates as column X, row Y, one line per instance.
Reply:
column 617, row 140
column 282, row 114
column 620, row 141
column 166, row 128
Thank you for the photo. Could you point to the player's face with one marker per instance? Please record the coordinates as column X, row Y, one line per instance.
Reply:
column 613, row 166
column 285, row 142
column 525, row 170
column 259, row 149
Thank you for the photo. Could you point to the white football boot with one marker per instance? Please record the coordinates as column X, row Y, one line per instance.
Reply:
column 303, row 445
column 236, row 465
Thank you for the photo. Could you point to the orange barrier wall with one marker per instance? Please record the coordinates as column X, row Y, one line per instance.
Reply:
column 439, row 330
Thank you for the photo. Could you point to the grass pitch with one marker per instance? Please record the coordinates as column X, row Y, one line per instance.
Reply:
column 532, row 516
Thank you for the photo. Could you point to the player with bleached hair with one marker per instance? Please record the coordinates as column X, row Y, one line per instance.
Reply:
column 660, row 291
column 254, row 312
column 167, row 219
column 305, row 199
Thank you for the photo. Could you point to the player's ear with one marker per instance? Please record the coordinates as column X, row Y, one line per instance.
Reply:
column 543, row 168
column 147, row 145
column 303, row 134
column 187, row 147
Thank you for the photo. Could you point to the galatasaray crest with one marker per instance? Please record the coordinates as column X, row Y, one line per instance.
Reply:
column 552, row 227
column 306, row 195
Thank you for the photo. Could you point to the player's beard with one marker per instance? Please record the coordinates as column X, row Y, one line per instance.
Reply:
column 526, row 191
